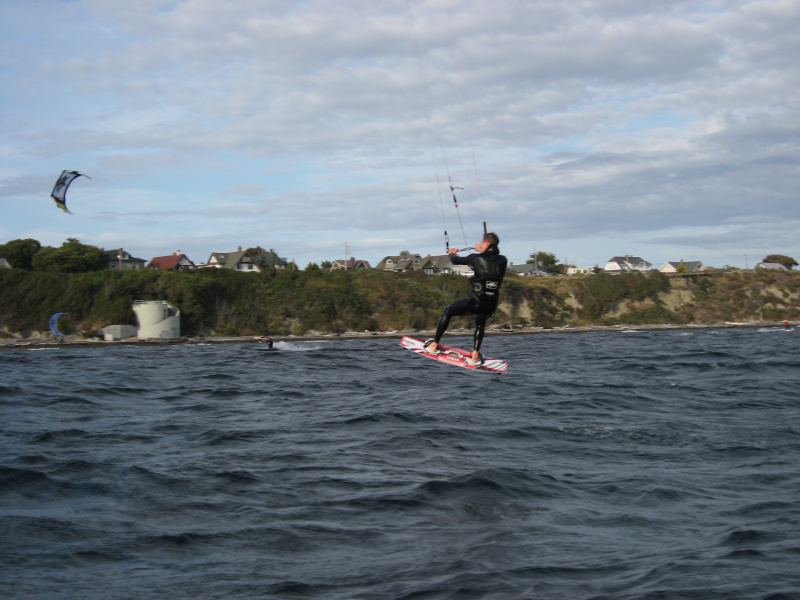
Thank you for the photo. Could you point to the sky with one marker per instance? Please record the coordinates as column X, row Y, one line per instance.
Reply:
column 594, row 128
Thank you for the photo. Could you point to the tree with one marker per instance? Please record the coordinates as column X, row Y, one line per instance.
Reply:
column 786, row 261
column 546, row 261
column 20, row 253
column 251, row 252
column 265, row 259
column 71, row 257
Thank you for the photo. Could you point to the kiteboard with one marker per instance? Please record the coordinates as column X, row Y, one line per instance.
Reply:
column 453, row 356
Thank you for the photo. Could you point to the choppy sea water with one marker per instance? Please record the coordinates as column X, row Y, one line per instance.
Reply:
column 609, row 465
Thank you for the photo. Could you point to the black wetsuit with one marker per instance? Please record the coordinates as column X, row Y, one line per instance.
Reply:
column 489, row 268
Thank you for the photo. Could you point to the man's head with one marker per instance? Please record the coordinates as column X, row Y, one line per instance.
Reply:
column 489, row 239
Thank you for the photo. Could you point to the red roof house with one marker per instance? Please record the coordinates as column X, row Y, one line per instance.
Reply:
column 177, row 261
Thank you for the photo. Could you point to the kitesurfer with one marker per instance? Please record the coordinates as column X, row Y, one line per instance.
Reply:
column 265, row 339
column 489, row 267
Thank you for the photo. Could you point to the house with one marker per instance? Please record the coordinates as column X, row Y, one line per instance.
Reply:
column 772, row 266
column 580, row 270
column 528, row 270
column 236, row 261
column 177, row 261
column 402, row 263
column 4, row 264
column 441, row 265
column 683, row 267
column 120, row 259
column 351, row 264
column 112, row 333
column 621, row 264
column 268, row 259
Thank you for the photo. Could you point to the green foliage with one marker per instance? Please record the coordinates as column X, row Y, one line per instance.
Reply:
column 281, row 302
column 653, row 314
column 515, row 296
column 265, row 259
column 602, row 293
column 548, row 308
column 20, row 253
column 546, row 261
column 71, row 257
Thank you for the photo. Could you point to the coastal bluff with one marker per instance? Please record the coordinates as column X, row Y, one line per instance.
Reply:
column 223, row 303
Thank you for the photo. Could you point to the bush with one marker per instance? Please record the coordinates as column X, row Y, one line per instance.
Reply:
column 600, row 294
column 225, row 302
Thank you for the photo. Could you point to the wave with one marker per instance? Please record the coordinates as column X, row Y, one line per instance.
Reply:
column 746, row 537
column 301, row 346
column 388, row 418
column 604, row 466
column 14, row 479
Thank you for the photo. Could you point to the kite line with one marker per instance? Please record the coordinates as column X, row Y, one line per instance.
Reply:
column 440, row 155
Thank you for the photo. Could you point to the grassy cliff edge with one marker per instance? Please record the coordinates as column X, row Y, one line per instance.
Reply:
column 226, row 303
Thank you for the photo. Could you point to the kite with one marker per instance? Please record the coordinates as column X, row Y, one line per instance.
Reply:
column 53, row 324
column 59, row 193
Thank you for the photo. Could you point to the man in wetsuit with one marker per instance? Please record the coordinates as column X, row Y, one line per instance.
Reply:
column 489, row 267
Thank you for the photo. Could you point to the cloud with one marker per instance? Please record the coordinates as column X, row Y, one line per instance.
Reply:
column 587, row 123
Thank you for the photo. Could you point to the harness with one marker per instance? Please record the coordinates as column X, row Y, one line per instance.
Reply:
column 485, row 288
column 487, row 279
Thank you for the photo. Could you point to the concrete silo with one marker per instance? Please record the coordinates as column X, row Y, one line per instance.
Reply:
column 157, row 319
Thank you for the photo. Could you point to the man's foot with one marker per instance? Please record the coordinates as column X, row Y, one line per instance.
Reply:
column 475, row 360
column 431, row 347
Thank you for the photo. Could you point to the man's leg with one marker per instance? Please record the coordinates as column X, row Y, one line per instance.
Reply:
column 460, row 307
column 477, row 336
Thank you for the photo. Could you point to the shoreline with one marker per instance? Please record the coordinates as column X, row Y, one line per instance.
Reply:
column 78, row 342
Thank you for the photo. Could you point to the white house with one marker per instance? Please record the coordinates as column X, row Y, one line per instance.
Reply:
column 580, row 270
column 528, row 270
column 622, row 264
column 235, row 261
column 691, row 266
column 771, row 266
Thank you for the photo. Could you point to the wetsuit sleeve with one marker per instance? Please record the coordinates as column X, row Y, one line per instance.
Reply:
column 462, row 260
column 503, row 265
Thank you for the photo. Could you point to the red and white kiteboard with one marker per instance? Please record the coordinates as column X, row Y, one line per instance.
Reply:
column 453, row 356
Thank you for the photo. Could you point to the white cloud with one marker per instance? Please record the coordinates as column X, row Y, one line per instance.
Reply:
column 585, row 124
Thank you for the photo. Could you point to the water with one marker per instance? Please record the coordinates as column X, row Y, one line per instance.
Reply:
column 604, row 465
